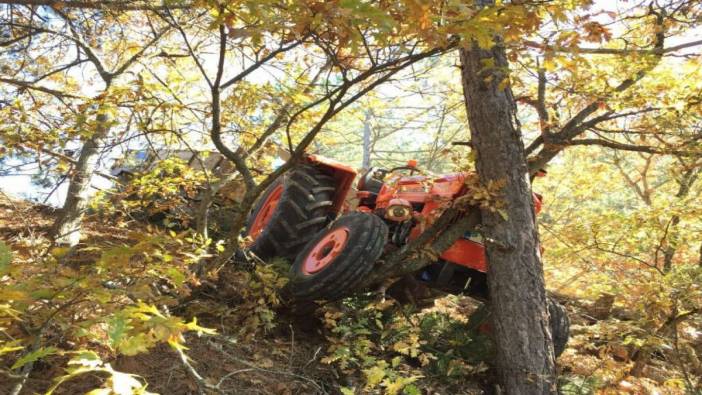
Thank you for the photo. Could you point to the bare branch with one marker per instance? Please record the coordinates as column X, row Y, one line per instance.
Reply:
column 140, row 53
column 104, row 74
column 631, row 147
column 612, row 51
column 39, row 88
column 259, row 63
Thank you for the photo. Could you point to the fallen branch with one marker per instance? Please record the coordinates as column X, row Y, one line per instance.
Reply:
column 423, row 250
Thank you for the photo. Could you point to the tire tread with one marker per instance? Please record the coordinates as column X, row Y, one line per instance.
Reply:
column 304, row 204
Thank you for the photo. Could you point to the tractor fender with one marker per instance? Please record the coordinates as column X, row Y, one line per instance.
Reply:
column 344, row 176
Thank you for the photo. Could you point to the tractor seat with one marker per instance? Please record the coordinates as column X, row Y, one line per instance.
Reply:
column 369, row 183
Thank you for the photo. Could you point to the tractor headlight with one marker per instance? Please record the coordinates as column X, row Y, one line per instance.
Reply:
column 399, row 210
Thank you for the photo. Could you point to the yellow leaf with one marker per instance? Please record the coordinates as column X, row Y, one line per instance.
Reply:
column 59, row 252
column 374, row 376
column 393, row 387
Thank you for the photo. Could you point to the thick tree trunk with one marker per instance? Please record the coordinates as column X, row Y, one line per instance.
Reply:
column 67, row 228
column 525, row 357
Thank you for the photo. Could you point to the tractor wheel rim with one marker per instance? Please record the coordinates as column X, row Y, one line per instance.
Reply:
column 326, row 251
column 264, row 215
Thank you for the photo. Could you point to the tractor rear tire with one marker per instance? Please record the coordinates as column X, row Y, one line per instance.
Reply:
column 558, row 322
column 560, row 326
column 335, row 262
column 289, row 213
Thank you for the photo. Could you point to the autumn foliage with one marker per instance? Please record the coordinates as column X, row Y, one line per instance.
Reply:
column 115, row 269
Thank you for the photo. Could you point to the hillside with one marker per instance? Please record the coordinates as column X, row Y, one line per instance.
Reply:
column 266, row 347
column 312, row 196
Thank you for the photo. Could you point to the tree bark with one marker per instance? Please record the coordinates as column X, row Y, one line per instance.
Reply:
column 525, row 356
column 67, row 228
column 366, row 141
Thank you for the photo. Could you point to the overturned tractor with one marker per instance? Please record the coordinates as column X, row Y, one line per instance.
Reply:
column 305, row 217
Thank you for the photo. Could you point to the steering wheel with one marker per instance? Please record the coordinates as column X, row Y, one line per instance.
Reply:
column 378, row 174
column 412, row 169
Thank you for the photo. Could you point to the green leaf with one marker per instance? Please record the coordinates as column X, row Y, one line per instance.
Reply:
column 116, row 330
column 34, row 356
column 393, row 387
column 175, row 275
column 134, row 345
column 411, row 390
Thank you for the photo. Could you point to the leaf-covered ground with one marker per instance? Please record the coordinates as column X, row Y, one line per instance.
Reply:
column 262, row 346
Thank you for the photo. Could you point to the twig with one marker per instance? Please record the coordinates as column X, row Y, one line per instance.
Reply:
column 314, row 357
column 292, row 346
column 11, row 375
column 27, row 369
column 230, row 374
column 9, row 199
column 251, row 365
column 202, row 385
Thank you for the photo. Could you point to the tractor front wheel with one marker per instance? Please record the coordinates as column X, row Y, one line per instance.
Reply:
column 338, row 258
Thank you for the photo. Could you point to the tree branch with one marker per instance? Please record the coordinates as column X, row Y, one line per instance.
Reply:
column 449, row 227
column 612, row 51
column 259, row 63
column 102, row 5
column 104, row 74
column 39, row 88
column 632, row 147
column 137, row 55
column 216, row 132
column 577, row 124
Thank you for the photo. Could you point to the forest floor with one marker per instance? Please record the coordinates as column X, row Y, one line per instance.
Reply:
column 288, row 358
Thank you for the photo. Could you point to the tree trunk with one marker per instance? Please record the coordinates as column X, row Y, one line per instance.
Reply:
column 525, row 356
column 366, row 141
column 67, row 228
column 202, row 212
column 672, row 248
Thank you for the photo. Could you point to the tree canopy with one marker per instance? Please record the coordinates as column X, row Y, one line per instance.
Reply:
column 158, row 126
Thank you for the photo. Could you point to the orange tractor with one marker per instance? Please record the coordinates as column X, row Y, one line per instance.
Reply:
column 305, row 217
